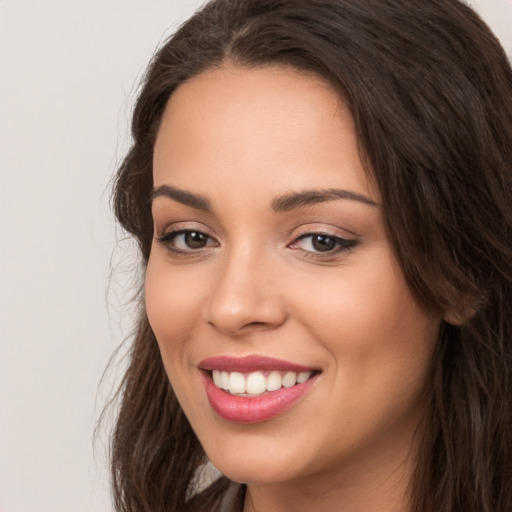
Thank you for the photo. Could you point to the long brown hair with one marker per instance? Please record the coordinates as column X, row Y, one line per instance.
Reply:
column 430, row 89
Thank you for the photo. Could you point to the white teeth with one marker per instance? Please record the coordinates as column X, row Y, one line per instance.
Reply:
column 274, row 381
column 290, row 379
column 303, row 377
column 236, row 383
column 224, row 380
column 217, row 379
column 255, row 383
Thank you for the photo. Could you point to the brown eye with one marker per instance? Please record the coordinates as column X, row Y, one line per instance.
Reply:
column 195, row 239
column 187, row 240
column 323, row 243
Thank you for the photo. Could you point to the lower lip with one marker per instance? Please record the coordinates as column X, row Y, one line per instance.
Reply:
column 242, row 409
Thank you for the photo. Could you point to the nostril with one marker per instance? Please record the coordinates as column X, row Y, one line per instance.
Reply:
column 238, row 313
column 255, row 327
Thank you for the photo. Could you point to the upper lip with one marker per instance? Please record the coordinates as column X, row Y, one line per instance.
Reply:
column 251, row 363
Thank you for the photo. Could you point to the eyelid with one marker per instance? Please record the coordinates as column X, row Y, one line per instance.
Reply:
column 343, row 243
column 167, row 235
column 339, row 240
column 322, row 229
column 173, row 233
column 181, row 226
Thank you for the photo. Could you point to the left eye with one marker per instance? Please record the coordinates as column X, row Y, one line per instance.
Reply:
column 187, row 240
column 322, row 243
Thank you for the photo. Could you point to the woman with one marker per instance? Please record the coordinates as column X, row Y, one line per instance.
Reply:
column 321, row 194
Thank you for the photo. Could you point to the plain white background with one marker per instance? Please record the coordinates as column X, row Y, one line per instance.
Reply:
column 68, row 75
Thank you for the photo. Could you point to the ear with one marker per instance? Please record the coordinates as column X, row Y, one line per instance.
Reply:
column 455, row 318
column 459, row 315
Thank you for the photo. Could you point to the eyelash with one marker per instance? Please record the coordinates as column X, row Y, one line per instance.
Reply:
column 341, row 244
column 168, row 239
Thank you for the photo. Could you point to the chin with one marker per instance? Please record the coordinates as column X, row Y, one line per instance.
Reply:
column 253, row 472
column 256, row 459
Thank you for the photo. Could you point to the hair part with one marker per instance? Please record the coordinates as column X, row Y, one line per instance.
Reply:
column 430, row 90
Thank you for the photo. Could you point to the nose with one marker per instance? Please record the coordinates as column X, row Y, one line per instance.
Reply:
column 245, row 297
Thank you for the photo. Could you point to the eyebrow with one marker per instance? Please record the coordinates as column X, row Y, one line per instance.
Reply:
column 196, row 201
column 295, row 200
column 283, row 203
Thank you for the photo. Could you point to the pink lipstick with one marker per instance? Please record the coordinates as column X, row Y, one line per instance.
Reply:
column 254, row 388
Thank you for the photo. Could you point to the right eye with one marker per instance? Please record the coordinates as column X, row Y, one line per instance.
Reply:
column 187, row 240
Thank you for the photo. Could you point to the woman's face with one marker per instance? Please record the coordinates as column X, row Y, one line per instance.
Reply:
column 271, row 271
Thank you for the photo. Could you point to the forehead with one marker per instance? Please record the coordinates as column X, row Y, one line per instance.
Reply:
column 259, row 121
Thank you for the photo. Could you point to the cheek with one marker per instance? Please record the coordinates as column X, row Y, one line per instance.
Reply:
column 172, row 309
column 379, row 339
column 380, row 344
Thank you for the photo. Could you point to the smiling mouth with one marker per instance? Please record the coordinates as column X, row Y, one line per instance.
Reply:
column 257, row 383
column 253, row 389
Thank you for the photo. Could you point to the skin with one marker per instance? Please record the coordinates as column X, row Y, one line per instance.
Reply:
column 240, row 138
